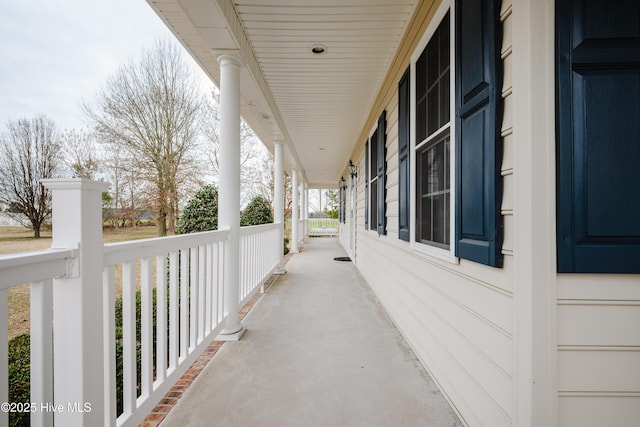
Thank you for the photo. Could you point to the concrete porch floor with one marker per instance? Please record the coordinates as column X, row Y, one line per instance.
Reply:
column 319, row 351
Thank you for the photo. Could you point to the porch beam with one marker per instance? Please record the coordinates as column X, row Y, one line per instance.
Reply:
column 229, row 191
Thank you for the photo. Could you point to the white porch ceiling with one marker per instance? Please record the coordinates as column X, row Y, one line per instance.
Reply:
column 317, row 104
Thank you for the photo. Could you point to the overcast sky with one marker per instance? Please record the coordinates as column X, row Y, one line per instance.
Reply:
column 54, row 54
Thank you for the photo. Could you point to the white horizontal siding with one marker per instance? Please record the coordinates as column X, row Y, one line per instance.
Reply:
column 599, row 323
column 598, row 350
column 453, row 340
column 508, row 231
column 606, row 369
column 599, row 287
column 473, row 316
column 593, row 410
column 507, row 196
column 507, row 153
column 506, row 169
column 458, row 317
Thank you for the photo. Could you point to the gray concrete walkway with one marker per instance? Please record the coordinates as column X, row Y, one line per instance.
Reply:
column 319, row 351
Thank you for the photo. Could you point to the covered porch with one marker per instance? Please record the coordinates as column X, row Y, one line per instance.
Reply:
column 319, row 351
column 324, row 349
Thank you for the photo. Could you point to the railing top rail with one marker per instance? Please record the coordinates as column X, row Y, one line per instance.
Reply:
column 254, row 229
column 116, row 253
column 17, row 269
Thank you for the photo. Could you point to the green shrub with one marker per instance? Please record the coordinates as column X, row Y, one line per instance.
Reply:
column 201, row 212
column 19, row 377
column 257, row 212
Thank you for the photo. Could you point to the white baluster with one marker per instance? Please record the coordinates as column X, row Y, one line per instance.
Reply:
column 41, row 350
column 146, row 289
column 129, row 369
column 173, row 311
column 161, row 317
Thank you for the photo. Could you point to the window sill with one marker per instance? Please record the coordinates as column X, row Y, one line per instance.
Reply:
column 435, row 252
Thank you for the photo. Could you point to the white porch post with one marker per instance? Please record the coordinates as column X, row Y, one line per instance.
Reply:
column 294, row 212
column 78, row 344
column 305, row 207
column 229, row 191
column 278, row 201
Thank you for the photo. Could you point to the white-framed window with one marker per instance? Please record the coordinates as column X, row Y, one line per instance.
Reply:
column 450, row 189
column 431, row 135
column 376, row 177
column 372, row 157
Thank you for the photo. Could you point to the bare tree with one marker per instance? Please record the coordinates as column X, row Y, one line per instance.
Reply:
column 129, row 187
column 81, row 155
column 114, row 162
column 316, row 201
column 263, row 177
column 29, row 153
column 150, row 107
column 332, row 203
column 253, row 180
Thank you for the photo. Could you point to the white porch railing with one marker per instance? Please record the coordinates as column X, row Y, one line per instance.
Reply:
column 186, row 273
column 301, row 224
column 257, row 257
column 323, row 227
column 38, row 269
column 179, row 278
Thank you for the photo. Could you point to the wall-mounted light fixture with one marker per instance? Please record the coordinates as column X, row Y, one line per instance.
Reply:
column 352, row 169
column 343, row 183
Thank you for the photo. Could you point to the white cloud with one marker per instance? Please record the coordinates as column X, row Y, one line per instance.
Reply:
column 55, row 54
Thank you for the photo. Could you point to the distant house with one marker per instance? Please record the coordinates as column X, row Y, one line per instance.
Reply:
column 9, row 220
column 6, row 220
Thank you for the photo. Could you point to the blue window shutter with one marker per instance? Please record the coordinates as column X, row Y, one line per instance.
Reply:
column 366, row 185
column 403, row 157
column 478, row 140
column 598, row 136
column 340, row 204
column 382, row 173
column 344, row 204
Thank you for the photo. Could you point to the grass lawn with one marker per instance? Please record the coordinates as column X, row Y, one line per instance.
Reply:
column 20, row 239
